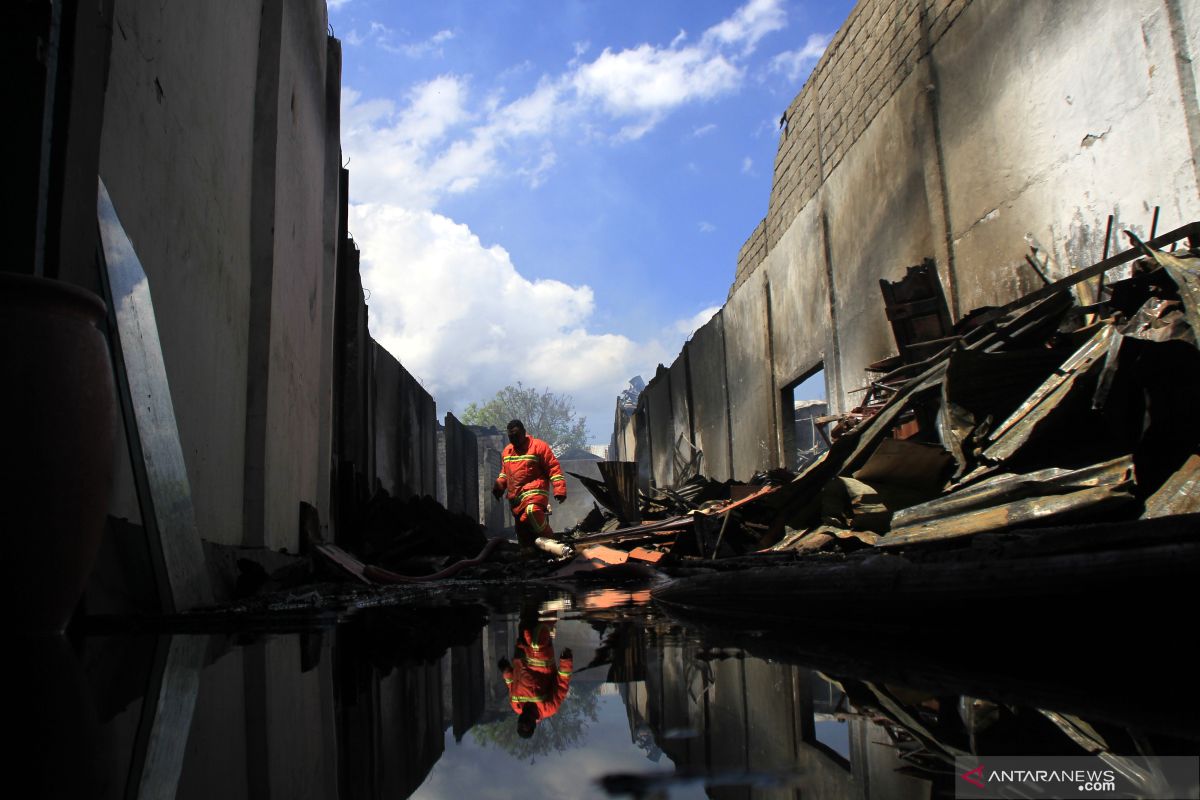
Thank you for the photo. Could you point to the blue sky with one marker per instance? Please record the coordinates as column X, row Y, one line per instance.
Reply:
column 556, row 192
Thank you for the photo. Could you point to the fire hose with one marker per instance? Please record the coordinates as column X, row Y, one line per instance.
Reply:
column 381, row 575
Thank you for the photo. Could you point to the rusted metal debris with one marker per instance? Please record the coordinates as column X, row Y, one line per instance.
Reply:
column 1039, row 415
column 1040, row 412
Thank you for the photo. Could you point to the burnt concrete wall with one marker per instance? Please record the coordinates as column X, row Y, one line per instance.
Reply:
column 489, row 444
column 751, row 412
column 709, row 397
column 579, row 500
column 284, row 418
column 462, row 468
column 682, row 454
column 388, row 422
column 354, row 361
column 657, row 400
column 176, row 154
column 220, row 146
column 946, row 129
column 624, row 438
column 405, row 429
column 736, row 694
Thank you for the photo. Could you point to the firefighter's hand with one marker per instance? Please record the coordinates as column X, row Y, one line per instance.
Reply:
column 567, row 654
column 504, row 664
column 496, row 492
column 561, row 498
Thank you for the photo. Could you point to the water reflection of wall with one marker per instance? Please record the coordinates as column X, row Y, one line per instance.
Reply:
column 201, row 716
column 360, row 711
column 402, row 683
column 726, row 712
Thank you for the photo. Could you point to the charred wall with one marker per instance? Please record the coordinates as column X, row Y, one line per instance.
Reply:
column 462, row 468
column 951, row 130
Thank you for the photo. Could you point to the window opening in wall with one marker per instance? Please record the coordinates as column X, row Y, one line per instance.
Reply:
column 803, row 440
column 831, row 731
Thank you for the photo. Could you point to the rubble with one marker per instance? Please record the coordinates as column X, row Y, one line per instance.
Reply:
column 1038, row 413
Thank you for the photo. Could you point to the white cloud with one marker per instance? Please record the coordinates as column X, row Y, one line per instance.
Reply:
column 747, row 165
column 792, row 63
column 407, row 155
column 442, row 141
column 335, row 5
column 748, row 25
column 429, row 47
column 647, row 81
column 704, row 130
column 444, row 137
column 536, row 174
column 693, row 323
column 384, row 38
column 493, row 326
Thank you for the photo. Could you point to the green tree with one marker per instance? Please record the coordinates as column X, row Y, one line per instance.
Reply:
column 562, row 732
column 548, row 416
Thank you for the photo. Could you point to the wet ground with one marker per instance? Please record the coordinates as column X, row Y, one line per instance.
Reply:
column 412, row 700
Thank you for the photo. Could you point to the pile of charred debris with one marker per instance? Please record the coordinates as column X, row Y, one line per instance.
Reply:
column 1043, row 412
column 1007, row 444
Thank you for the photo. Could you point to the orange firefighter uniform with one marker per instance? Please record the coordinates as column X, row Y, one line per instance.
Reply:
column 533, row 676
column 528, row 475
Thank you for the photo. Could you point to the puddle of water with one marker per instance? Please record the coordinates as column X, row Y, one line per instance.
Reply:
column 416, row 701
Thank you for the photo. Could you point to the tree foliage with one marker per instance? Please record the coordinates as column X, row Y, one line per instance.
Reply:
column 548, row 416
column 562, row 732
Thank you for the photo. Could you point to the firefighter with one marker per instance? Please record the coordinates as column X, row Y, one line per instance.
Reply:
column 536, row 684
column 529, row 473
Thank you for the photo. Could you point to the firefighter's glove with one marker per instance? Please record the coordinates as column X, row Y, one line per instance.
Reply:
column 566, row 653
column 496, row 492
column 561, row 498
column 504, row 664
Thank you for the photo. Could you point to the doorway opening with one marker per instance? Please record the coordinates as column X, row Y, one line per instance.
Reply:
column 807, row 401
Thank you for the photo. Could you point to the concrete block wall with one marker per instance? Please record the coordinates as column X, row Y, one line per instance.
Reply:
column 950, row 130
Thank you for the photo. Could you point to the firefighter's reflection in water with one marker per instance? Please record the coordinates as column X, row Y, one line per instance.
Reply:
column 537, row 685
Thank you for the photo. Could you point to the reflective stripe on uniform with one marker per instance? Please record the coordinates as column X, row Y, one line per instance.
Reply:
column 557, row 478
column 530, row 698
column 531, row 511
column 520, row 458
column 533, row 492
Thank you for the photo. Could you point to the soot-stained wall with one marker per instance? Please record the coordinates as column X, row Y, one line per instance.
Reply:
column 953, row 130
